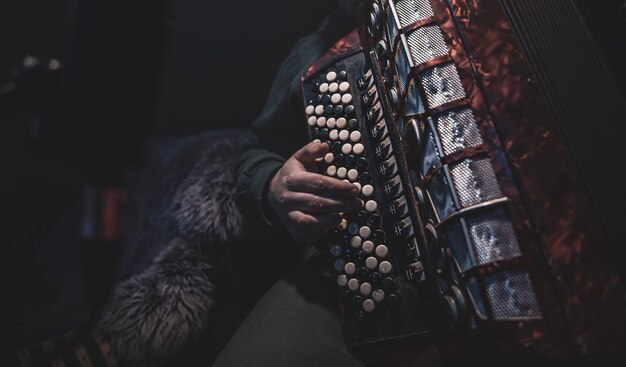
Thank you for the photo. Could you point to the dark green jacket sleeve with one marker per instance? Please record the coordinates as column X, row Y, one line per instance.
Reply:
column 280, row 130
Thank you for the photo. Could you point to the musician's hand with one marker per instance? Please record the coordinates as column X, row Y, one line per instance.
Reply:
column 306, row 202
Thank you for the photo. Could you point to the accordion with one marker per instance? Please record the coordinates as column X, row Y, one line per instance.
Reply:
column 476, row 232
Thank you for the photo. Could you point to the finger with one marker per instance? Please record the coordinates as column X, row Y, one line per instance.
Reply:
column 313, row 203
column 310, row 152
column 316, row 183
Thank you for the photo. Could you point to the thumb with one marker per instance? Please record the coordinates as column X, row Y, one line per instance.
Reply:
column 310, row 152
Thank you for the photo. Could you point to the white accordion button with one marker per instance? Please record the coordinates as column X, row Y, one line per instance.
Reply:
column 346, row 98
column 368, row 305
column 353, row 284
column 329, row 158
column 321, row 122
column 342, row 280
column 346, row 148
column 331, row 123
column 371, row 263
column 324, row 87
column 368, row 190
column 353, row 175
column 355, row 136
column 365, row 232
column 319, row 110
column 344, row 87
column 359, row 148
column 368, row 247
column 356, row 241
column 350, row 268
column 310, row 110
column 357, row 184
column 336, row 98
column 312, row 121
column 333, row 87
column 344, row 135
column 341, row 172
column 331, row 170
column 371, row 206
column 334, row 134
column 378, row 295
column 384, row 267
column 382, row 251
column 344, row 224
column 331, row 76
column 341, row 122
column 366, row 289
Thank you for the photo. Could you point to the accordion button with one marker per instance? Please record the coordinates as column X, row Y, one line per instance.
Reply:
column 310, row 110
column 346, row 148
column 361, row 163
column 382, row 251
column 384, row 267
column 344, row 135
column 374, row 221
column 349, row 161
column 371, row 263
column 328, row 109
column 349, row 268
column 353, row 284
column 368, row 305
column 321, row 122
column 325, row 99
column 316, row 100
column 378, row 236
column 344, row 87
column 312, row 121
column 341, row 123
column 371, row 206
column 343, row 225
column 355, row 136
column 368, row 190
column 342, row 280
column 336, row 98
column 392, row 300
column 357, row 301
column 334, row 134
column 342, row 172
column 349, row 108
column 376, row 279
column 389, row 284
column 378, row 295
column 333, row 87
column 339, row 264
column 331, row 171
column 335, row 250
column 365, row 232
column 338, row 110
column 358, row 185
column 331, row 123
column 319, row 110
column 353, row 124
column 353, row 175
column 365, row 289
column 331, row 76
column 342, row 75
column 324, row 87
column 353, row 229
column 329, row 158
column 358, row 148
column 368, row 247
column 346, row 98
column 356, row 241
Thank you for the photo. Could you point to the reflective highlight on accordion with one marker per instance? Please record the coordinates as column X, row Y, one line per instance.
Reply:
column 443, row 245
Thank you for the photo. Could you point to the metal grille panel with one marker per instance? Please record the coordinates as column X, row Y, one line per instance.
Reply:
column 512, row 296
column 426, row 43
column 475, row 182
column 410, row 11
column 391, row 24
column 458, row 131
column 493, row 237
column 430, row 155
column 442, row 84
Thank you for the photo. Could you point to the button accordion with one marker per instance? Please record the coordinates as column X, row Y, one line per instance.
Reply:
column 433, row 112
